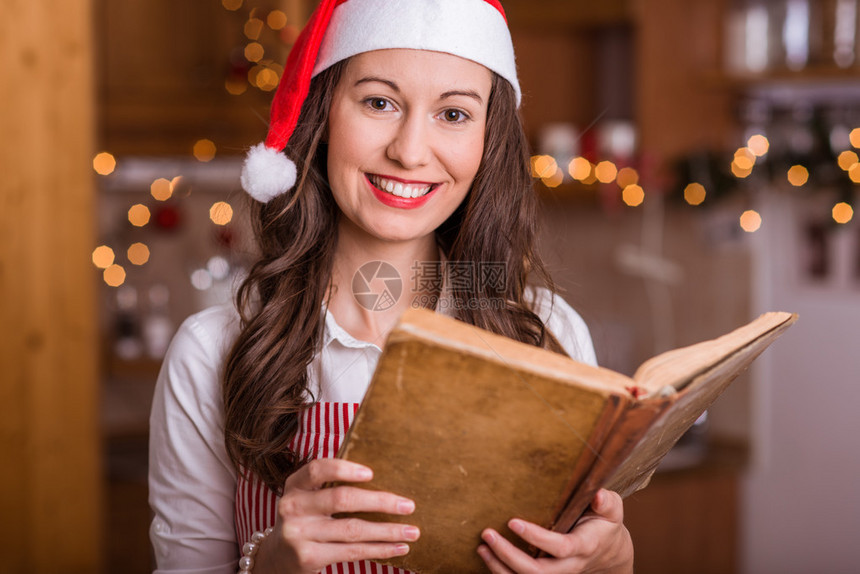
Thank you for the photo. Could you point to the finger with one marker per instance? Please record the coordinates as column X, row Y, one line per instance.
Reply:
column 508, row 554
column 493, row 563
column 318, row 472
column 553, row 543
column 342, row 499
column 608, row 505
column 357, row 530
column 356, row 552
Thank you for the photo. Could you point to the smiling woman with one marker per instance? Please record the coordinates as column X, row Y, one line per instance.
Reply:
column 395, row 146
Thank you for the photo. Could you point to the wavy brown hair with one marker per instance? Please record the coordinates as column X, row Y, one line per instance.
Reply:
column 280, row 302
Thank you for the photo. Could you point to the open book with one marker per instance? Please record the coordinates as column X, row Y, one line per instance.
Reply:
column 478, row 428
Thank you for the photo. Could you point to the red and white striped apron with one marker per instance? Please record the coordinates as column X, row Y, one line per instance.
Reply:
column 321, row 430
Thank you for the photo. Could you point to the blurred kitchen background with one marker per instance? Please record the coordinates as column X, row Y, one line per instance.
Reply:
column 697, row 162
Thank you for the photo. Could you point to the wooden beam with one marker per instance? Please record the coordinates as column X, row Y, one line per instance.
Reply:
column 570, row 14
column 50, row 481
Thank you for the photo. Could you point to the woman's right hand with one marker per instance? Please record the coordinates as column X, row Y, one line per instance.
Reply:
column 307, row 538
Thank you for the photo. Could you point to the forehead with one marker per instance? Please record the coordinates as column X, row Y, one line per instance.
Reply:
column 420, row 69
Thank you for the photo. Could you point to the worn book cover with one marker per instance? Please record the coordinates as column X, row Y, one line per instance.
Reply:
column 478, row 428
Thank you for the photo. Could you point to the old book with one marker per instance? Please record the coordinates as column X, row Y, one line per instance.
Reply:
column 478, row 428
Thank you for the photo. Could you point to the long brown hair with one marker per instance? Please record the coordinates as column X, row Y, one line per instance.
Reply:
column 280, row 302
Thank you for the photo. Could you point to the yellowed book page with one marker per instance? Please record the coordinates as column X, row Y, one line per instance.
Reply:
column 473, row 441
column 674, row 369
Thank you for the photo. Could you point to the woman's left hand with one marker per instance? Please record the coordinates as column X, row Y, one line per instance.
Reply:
column 598, row 543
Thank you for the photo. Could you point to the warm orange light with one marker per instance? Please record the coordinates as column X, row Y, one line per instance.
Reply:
column 855, row 137
column 695, row 193
column 750, row 221
column 235, row 86
column 221, row 213
column 231, row 5
column 744, row 159
column 847, row 159
column 627, row 176
column 276, row 19
column 842, row 213
column 138, row 215
column 633, row 195
column 267, row 79
column 798, row 175
column 253, row 28
column 579, row 168
column 114, row 275
column 103, row 256
column 854, row 173
column 758, row 145
column 555, row 179
column 161, row 189
column 543, row 166
column 138, row 253
column 254, row 52
column 104, row 163
column 741, row 173
column 204, row 150
column 606, row 172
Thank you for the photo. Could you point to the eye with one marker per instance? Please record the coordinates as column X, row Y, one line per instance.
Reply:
column 377, row 104
column 454, row 116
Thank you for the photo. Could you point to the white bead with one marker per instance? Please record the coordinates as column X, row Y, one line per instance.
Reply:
column 257, row 537
column 246, row 563
column 249, row 549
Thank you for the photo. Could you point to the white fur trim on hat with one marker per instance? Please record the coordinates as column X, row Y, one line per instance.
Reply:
column 471, row 29
column 267, row 173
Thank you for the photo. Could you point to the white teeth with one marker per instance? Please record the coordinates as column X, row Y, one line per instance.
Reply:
column 400, row 189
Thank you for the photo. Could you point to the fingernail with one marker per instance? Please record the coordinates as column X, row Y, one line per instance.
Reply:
column 517, row 526
column 363, row 473
column 489, row 536
column 405, row 507
column 401, row 549
column 411, row 533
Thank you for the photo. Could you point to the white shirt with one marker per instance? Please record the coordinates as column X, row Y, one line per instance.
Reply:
column 192, row 483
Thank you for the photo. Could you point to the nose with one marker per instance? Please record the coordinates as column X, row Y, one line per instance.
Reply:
column 410, row 145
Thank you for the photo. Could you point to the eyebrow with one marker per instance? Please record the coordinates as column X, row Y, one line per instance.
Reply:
column 449, row 94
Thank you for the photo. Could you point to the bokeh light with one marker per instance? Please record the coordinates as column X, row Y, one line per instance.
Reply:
column 798, row 175
column 758, row 145
column 103, row 257
column 104, row 163
column 204, row 150
column 854, row 173
column 253, row 28
column 254, row 52
column 114, row 275
column 231, row 5
column 138, row 215
column 847, row 159
column 221, row 213
column 276, row 19
column 161, row 189
column 854, row 136
column 606, row 171
column 695, row 193
column 842, row 213
column 627, row 176
column 235, row 86
column 740, row 173
column 543, row 166
column 580, row 168
column 555, row 179
column 633, row 195
column 744, row 159
column 138, row 253
column 750, row 221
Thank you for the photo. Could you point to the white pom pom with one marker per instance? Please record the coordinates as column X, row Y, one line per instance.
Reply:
column 267, row 173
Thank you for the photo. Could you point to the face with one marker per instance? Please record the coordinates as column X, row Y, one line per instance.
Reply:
column 406, row 138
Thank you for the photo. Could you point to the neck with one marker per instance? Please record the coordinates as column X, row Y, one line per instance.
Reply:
column 366, row 274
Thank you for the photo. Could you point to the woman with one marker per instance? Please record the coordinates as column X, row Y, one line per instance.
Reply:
column 400, row 122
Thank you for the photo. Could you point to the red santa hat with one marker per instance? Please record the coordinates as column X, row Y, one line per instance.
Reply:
column 473, row 29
